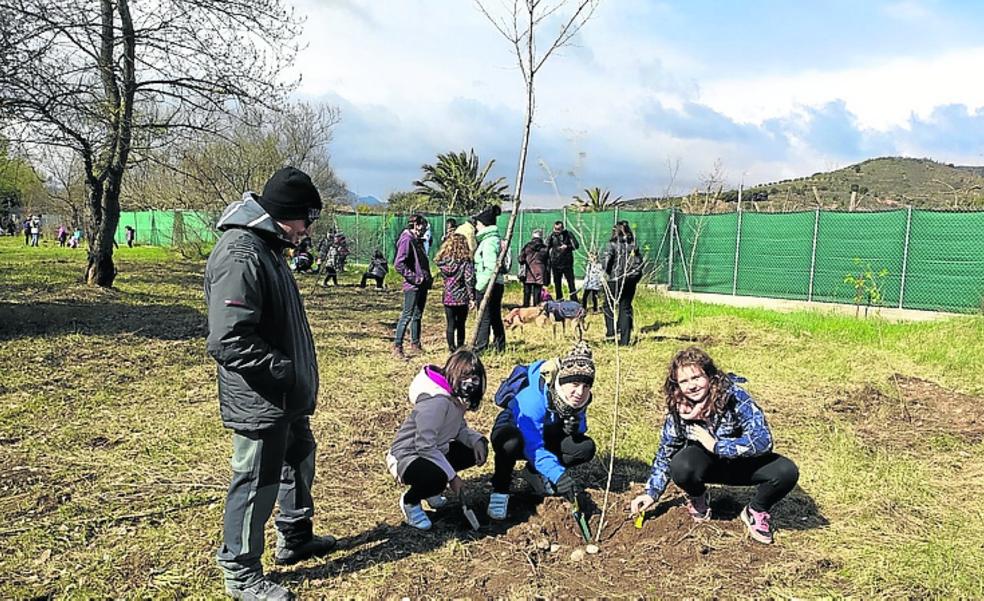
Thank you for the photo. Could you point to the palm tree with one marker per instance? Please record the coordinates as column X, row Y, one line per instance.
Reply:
column 456, row 183
column 598, row 200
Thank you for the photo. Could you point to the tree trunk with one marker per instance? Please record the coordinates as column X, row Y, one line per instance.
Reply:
column 517, row 193
column 104, row 217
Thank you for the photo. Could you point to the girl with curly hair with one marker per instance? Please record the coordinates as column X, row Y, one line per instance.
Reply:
column 714, row 432
column 456, row 265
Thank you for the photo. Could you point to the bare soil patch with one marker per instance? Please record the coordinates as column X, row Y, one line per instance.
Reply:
column 911, row 411
column 540, row 549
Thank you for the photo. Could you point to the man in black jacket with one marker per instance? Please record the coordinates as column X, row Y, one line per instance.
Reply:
column 259, row 335
column 562, row 245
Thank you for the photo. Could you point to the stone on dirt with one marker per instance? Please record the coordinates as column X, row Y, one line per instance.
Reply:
column 591, row 549
column 577, row 555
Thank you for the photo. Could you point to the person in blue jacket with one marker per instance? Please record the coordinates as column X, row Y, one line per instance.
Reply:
column 545, row 424
column 714, row 432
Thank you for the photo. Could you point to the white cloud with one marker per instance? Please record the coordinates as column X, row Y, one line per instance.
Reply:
column 881, row 96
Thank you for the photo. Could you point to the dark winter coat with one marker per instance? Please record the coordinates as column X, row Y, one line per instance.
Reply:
column 562, row 259
column 411, row 262
column 621, row 260
column 535, row 256
column 378, row 268
column 258, row 332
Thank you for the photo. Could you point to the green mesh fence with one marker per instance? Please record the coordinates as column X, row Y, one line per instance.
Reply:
column 929, row 259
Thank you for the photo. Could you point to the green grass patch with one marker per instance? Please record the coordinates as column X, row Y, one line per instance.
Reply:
column 113, row 463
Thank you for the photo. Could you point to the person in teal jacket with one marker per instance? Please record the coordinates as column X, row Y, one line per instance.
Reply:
column 545, row 424
column 489, row 281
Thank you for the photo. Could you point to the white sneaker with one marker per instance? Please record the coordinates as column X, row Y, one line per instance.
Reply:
column 498, row 505
column 437, row 501
column 415, row 515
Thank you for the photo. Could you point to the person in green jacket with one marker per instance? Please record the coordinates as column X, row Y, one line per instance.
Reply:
column 259, row 336
column 488, row 281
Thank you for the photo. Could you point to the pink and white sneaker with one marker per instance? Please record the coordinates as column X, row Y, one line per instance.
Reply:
column 699, row 508
column 758, row 525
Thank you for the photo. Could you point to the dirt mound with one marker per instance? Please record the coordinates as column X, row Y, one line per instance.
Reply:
column 540, row 549
column 911, row 412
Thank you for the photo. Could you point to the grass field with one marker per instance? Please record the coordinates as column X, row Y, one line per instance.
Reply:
column 113, row 462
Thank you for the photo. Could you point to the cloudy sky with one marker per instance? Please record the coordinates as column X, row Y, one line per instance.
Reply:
column 765, row 89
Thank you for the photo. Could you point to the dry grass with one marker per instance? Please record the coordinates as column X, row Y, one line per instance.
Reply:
column 113, row 462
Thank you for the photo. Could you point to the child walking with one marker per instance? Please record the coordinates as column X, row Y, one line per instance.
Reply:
column 434, row 443
column 456, row 265
column 714, row 432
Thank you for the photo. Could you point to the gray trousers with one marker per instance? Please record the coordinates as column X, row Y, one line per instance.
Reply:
column 275, row 464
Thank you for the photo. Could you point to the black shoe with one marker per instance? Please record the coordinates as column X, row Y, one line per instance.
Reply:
column 261, row 590
column 318, row 546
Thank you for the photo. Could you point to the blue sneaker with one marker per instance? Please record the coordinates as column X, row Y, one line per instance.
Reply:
column 498, row 505
column 415, row 515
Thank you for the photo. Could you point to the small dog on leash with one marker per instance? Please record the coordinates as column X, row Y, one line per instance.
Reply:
column 564, row 311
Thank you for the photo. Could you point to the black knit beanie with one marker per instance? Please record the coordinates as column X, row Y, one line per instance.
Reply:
column 488, row 215
column 290, row 194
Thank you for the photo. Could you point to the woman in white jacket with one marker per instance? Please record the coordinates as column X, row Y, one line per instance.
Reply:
column 434, row 443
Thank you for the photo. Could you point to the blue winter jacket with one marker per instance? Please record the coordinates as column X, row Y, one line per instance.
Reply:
column 741, row 431
column 531, row 414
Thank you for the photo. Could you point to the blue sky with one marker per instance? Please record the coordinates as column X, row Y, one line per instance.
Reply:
column 652, row 96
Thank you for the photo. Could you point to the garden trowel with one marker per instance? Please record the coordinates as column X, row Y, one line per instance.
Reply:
column 582, row 522
column 469, row 515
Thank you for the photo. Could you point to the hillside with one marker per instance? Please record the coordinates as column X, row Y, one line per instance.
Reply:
column 877, row 184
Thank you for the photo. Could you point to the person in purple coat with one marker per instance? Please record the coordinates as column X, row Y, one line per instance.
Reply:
column 411, row 262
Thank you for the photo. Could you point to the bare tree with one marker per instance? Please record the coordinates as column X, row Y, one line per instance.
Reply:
column 520, row 26
column 111, row 79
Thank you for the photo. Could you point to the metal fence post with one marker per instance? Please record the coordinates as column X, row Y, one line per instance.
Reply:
column 813, row 254
column 669, row 272
column 734, row 276
column 357, row 235
column 565, row 217
column 905, row 254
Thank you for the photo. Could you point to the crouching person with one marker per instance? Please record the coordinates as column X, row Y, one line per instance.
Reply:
column 715, row 433
column 258, row 334
column 544, row 422
column 434, row 443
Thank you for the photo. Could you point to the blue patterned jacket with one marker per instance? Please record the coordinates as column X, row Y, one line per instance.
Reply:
column 740, row 430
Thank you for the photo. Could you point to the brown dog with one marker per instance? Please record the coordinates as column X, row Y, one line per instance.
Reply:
column 523, row 315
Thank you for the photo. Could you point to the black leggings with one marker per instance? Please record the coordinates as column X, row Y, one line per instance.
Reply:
column 593, row 296
column 531, row 294
column 427, row 479
column 492, row 320
column 455, row 333
column 368, row 276
column 693, row 467
column 507, row 442
column 625, row 291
